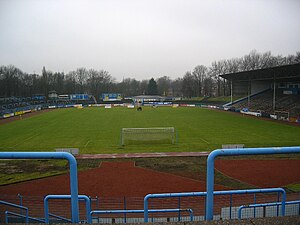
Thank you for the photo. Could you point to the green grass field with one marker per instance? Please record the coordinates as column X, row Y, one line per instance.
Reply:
column 97, row 130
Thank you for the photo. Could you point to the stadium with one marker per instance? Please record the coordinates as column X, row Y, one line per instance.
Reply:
column 73, row 159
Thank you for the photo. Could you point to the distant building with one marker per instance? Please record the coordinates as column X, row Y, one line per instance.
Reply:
column 52, row 95
column 148, row 98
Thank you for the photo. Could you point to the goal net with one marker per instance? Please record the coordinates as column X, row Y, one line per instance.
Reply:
column 153, row 135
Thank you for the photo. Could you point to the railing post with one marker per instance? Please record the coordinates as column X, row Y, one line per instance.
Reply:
column 54, row 155
column 179, row 216
column 254, row 209
column 233, row 152
column 146, row 208
column 124, row 209
column 21, row 202
column 278, row 197
column 230, row 206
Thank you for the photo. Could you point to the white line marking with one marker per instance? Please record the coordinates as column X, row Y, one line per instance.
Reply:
column 87, row 143
column 25, row 140
column 204, row 140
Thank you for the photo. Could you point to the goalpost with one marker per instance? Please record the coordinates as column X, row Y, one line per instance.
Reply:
column 153, row 135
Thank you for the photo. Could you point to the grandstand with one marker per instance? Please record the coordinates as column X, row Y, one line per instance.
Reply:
column 268, row 91
column 13, row 106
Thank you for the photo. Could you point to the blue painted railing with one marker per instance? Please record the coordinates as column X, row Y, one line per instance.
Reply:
column 54, row 155
column 142, row 211
column 80, row 197
column 199, row 194
column 234, row 152
column 264, row 205
column 7, row 213
column 58, row 217
column 17, row 206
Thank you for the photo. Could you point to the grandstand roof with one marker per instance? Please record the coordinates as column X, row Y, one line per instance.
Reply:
column 287, row 72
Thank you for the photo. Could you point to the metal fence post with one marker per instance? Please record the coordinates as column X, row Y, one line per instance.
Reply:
column 278, row 197
column 179, row 208
column 233, row 152
column 54, row 155
column 204, row 207
column 21, row 201
column 124, row 209
column 230, row 206
column 98, row 205
column 254, row 209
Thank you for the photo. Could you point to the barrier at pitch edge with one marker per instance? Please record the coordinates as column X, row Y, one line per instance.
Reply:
column 54, row 155
column 16, row 206
column 235, row 152
column 264, row 205
column 80, row 197
column 199, row 194
column 141, row 211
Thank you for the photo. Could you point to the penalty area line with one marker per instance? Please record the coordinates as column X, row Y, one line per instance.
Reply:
column 27, row 139
column 86, row 144
column 204, row 141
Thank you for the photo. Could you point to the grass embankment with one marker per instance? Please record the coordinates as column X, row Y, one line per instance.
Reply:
column 97, row 130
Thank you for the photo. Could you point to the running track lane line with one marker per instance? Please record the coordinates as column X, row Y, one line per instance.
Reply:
column 140, row 155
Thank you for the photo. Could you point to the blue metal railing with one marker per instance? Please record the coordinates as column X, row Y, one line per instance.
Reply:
column 57, row 217
column 80, row 197
column 265, row 205
column 7, row 213
column 54, row 155
column 17, row 206
column 199, row 194
column 234, row 152
column 142, row 211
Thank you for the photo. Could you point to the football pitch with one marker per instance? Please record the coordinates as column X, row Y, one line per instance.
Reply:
column 97, row 130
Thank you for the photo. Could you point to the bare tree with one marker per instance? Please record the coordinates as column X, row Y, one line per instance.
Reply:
column 129, row 87
column 199, row 73
column 143, row 87
column 163, row 85
column 297, row 57
column 188, row 85
column 176, row 87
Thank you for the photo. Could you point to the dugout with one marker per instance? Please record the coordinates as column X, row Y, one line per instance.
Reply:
column 275, row 89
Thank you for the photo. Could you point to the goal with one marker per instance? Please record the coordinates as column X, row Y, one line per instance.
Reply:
column 153, row 135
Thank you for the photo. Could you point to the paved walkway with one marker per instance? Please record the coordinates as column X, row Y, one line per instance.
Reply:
column 140, row 155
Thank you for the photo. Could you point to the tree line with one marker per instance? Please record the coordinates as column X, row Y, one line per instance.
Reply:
column 200, row 81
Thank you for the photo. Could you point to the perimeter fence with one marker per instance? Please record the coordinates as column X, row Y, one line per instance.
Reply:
column 226, row 207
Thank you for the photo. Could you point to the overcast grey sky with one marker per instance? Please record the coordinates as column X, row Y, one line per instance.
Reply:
column 142, row 38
